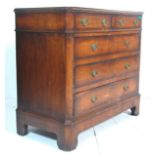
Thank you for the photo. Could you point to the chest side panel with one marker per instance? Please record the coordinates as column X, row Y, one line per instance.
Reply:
column 40, row 21
column 41, row 73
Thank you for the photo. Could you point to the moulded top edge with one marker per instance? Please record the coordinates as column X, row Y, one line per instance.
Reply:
column 74, row 9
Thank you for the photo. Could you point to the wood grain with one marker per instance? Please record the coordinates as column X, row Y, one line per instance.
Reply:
column 105, row 70
column 76, row 67
column 97, row 46
column 127, row 21
column 105, row 95
column 93, row 21
column 40, row 21
column 41, row 73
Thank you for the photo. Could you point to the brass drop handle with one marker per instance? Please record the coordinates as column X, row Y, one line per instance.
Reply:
column 125, row 87
column 136, row 22
column 126, row 66
column 121, row 22
column 93, row 47
column 93, row 99
column 94, row 73
column 127, row 43
column 84, row 21
column 104, row 22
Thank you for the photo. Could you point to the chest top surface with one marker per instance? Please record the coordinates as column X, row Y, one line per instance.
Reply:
column 77, row 19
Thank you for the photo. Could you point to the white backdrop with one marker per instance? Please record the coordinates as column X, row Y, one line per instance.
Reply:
column 147, row 73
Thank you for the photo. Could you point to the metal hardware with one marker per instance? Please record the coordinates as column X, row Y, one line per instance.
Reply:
column 127, row 43
column 93, row 99
column 104, row 22
column 121, row 22
column 94, row 47
column 135, row 22
column 94, row 73
column 126, row 66
column 125, row 87
column 84, row 21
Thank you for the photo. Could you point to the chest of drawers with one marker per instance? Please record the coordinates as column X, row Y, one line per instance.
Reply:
column 76, row 67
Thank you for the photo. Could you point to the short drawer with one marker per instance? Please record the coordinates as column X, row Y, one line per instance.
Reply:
column 124, row 43
column 87, row 74
column 122, row 21
column 90, row 21
column 105, row 95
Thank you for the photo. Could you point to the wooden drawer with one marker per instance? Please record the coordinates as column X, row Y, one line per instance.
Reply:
column 105, row 95
column 121, row 43
column 86, row 74
column 94, row 46
column 121, row 21
column 89, row 21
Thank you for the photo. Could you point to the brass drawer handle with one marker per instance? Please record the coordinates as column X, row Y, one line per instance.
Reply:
column 125, row 87
column 126, row 66
column 104, row 22
column 127, row 43
column 84, row 21
column 121, row 22
column 136, row 22
column 94, row 73
column 94, row 47
column 93, row 99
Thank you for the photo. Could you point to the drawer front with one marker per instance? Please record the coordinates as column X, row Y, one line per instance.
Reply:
column 88, row 74
column 92, row 46
column 89, row 21
column 124, row 43
column 105, row 95
column 126, row 21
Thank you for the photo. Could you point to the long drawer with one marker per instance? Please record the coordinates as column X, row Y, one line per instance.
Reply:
column 95, row 46
column 87, row 74
column 105, row 95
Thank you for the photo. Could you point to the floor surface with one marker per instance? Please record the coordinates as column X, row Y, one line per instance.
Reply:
column 123, row 134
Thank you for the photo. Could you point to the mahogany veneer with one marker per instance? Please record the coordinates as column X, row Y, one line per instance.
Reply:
column 76, row 67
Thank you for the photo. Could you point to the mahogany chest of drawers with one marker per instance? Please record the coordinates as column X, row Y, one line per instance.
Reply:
column 76, row 67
